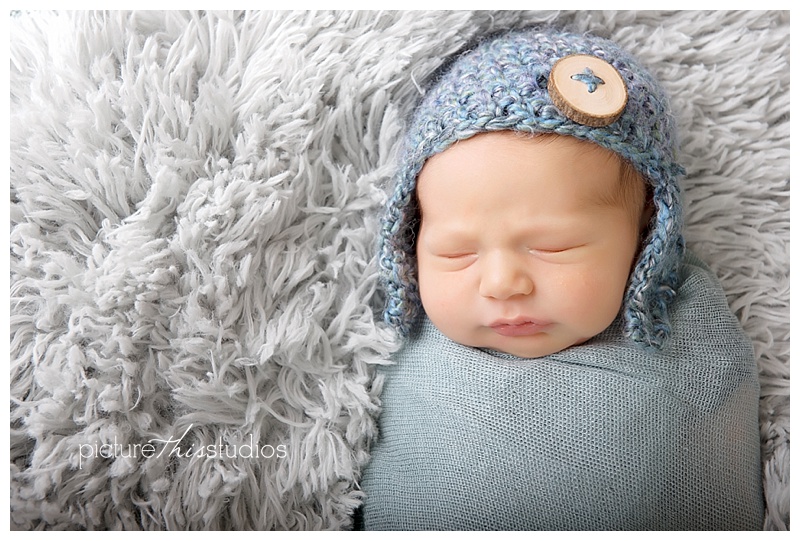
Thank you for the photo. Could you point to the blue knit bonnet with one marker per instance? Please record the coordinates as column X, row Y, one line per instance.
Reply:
column 502, row 84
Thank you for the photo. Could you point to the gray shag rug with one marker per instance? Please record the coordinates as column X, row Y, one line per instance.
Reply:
column 194, row 196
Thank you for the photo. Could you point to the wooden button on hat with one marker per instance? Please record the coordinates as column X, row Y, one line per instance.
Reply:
column 588, row 90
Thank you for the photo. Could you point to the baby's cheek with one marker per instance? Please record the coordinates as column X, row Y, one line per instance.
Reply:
column 590, row 294
column 441, row 292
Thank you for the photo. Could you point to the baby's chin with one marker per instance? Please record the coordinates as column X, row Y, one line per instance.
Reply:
column 525, row 352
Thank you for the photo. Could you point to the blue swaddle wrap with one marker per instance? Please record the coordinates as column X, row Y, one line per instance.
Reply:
column 599, row 436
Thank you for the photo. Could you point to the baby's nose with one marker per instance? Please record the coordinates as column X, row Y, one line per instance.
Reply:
column 504, row 276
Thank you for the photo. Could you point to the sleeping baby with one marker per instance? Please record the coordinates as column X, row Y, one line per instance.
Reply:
column 567, row 365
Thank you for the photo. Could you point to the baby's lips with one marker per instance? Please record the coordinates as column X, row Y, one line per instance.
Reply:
column 519, row 326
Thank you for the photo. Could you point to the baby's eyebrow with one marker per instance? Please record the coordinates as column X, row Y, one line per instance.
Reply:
column 440, row 233
column 465, row 231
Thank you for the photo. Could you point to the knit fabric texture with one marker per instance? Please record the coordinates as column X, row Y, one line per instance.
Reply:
column 502, row 85
column 600, row 436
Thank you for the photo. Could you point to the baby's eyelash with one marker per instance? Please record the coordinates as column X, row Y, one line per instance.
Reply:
column 558, row 250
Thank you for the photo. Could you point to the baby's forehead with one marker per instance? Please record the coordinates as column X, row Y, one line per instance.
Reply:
column 592, row 173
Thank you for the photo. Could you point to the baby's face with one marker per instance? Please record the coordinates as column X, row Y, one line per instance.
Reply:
column 522, row 248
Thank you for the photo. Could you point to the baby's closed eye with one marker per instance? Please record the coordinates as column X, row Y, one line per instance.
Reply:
column 558, row 253
column 555, row 249
column 457, row 255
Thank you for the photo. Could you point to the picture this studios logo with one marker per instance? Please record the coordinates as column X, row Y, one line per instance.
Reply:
column 178, row 447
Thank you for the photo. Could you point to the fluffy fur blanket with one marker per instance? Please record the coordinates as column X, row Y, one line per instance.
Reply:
column 194, row 311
